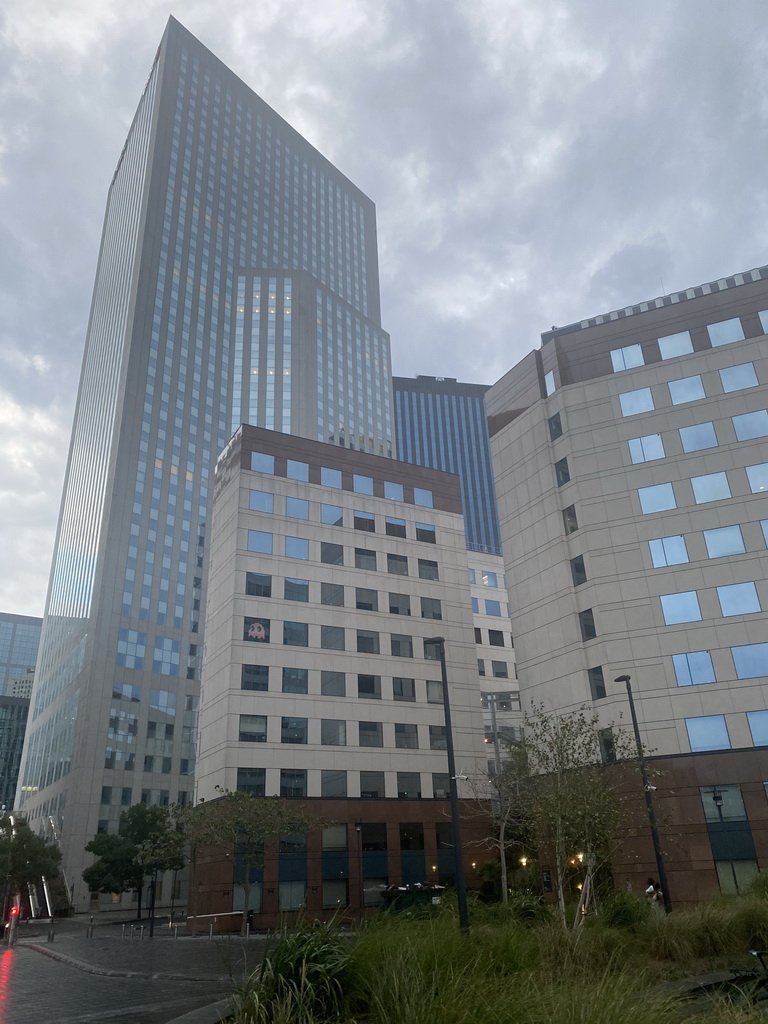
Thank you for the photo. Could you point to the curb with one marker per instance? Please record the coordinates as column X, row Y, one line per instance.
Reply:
column 214, row 1013
column 104, row 972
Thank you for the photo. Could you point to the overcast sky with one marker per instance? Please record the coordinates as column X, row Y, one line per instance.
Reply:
column 533, row 162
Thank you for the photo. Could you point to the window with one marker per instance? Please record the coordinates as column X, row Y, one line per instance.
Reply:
column 296, row 634
column 587, row 624
column 295, row 680
column 735, row 378
column 488, row 578
column 693, row 668
column 422, row 497
column 725, row 332
column 683, row 607
column 480, row 666
column 394, row 527
column 297, row 508
column 253, row 729
column 257, row 584
column 333, row 783
column 293, row 730
column 431, row 608
column 370, row 734
column 367, row 641
column 675, row 345
column 437, row 738
column 697, row 437
column 399, row 604
column 426, row 533
column 549, row 383
column 297, row 470
column 364, row 521
column 296, row 547
column 431, row 651
column 763, row 314
column 332, row 594
column 261, row 463
column 406, row 736
column 293, row 783
column 607, row 746
column 723, row 803
column 686, row 389
column 738, row 599
column 578, row 571
column 562, row 473
column 397, row 564
column 261, row 501
column 366, row 600
column 256, row 629
column 750, row 425
column 668, row 551
column 493, row 608
column 369, row 687
column 555, row 424
column 332, row 638
column 427, row 569
column 331, row 554
column 634, row 402
column 333, row 732
column 330, row 477
column 764, row 528
column 365, row 559
column 596, row 682
column 332, row 684
column 403, row 689
column 646, row 449
column 434, row 691
column 335, row 895
column 712, row 487
column 500, row 669
column 362, row 484
column 750, row 661
column 758, row 477
column 401, row 645
column 408, row 788
column 331, row 515
column 478, row 634
column 708, row 733
column 725, row 540
column 296, row 590
column 393, row 491
column 260, row 542
column 626, row 358
column 496, row 638
column 472, row 575
column 570, row 522
column 657, row 498
column 372, row 788
column 441, row 786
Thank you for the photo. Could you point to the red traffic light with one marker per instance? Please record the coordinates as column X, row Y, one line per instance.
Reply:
column 14, row 911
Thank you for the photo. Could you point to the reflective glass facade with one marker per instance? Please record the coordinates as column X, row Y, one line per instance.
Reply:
column 19, row 641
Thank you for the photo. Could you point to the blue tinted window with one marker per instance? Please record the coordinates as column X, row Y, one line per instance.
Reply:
column 330, row 477
column 362, row 484
column 393, row 491
column 260, row 541
column 738, row 599
column 675, row 345
column 668, row 551
column 475, row 605
column 693, row 668
column 712, row 487
column 262, row 463
column 493, row 608
column 725, row 540
column 549, row 383
column 758, row 726
column 297, row 508
column 682, row 607
column 750, row 661
column 645, row 449
column 750, row 425
column 422, row 497
column 724, row 332
column 331, row 515
column 261, row 501
column 708, row 733
column 626, row 358
column 296, row 547
column 758, row 477
column 633, row 402
column 658, row 498
column 687, row 389
column 734, row 378
column 297, row 470
column 698, row 436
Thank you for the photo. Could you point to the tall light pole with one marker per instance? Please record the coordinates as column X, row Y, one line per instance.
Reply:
column 458, row 861
column 648, row 792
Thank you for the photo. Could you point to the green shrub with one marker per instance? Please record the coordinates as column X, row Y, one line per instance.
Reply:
column 622, row 909
column 759, row 885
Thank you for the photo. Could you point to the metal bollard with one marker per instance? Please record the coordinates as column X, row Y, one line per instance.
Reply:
column 141, row 933
column 133, row 929
column 89, row 932
column 175, row 931
column 247, row 930
column 122, row 933
column 50, row 930
column 210, row 931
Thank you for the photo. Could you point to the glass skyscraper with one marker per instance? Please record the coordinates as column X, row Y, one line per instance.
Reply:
column 237, row 281
column 19, row 640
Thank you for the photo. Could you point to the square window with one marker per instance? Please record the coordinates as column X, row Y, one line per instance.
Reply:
column 758, row 477
column 397, row 564
column 332, row 684
column 260, row 542
column 333, row 732
column 587, row 624
column 297, row 470
column 369, row 687
column 330, row 477
column 697, row 437
column 372, row 788
column 331, row 515
column 258, row 584
column 333, row 784
column 364, row 521
column 256, row 629
column 293, row 783
column 493, row 608
column 675, row 345
column 401, row 645
column 332, row 594
column 406, row 736
column 296, row 634
column 437, row 738
column 409, row 788
column 596, row 682
column 626, row 358
column 693, row 668
column 712, row 487
column 634, row 402
column 496, row 638
column 399, row 604
column 293, row 730
column 367, row 641
column 253, row 729
column 500, row 669
column 261, row 501
column 488, row 578
column 370, row 734
column 725, row 540
column 366, row 600
column 296, row 547
column 332, row 638
column 427, row 569
column 254, row 677
column 296, row 590
column 725, row 332
column 422, row 497
column 431, row 651
column 646, row 449
column 751, row 425
column 365, row 558
column 393, row 491
column 426, row 533
column 570, row 522
column 750, row 661
column 686, row 389
column 394, row 527
column 578, row 571
column 738, row 599
column 331, row 554
column 555, row 424
column 295, row 680
column 735, row 378
column 431, row 608
column 668, row 551
column 362, row 484
column 657, row 498
column 562, row 473
column 708, row 733
column 261, row 463
column 441, row 786
column 297, row 508
column 683, row 607
column 403, row 689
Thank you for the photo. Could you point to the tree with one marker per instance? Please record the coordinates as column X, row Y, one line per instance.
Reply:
column 245, row 823
column 25, row 858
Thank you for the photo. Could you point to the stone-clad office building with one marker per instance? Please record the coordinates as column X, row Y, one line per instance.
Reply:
column 631, row 458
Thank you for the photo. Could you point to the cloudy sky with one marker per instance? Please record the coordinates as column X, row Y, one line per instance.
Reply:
column 533, row 162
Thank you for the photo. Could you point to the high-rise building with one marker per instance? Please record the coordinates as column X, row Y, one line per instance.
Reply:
column 13, row 722
column 237, row 281
column 19, row 640
column 631, row 458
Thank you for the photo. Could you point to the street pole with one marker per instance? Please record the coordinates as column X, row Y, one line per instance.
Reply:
column 458, row 861
column 648, row 792
column 502, row 807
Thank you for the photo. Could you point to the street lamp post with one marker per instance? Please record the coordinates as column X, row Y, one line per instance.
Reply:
column 458, row 861
column 648, row 792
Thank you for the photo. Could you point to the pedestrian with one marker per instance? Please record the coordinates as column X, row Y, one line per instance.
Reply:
column 651, row 888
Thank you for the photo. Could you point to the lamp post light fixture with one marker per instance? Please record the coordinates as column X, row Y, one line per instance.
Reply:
column 458, row 868
column 648, row 791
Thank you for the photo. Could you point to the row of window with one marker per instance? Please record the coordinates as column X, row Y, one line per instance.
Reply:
column 495, row 637
column 720, row 541
column 259, row 584
column 698, row 437
column 725, row 332
column 494, row 608
column 487, row 578
column 126, row 760
column 333, row 515
column 710, row 732
column 641, row 400
column 334, row 684
column 332, row 732
column 706, row 488
column 263, row 463
column 333, row 554
column 499, row 669
column 334, row 784
column 333, row 638
column 122, row 796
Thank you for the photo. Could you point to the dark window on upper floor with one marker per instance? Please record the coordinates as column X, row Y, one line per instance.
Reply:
column 555, row 426
column 570, row 522
column 562, row 473
column 578, row 571
column 596, row 682
column 587, row 624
